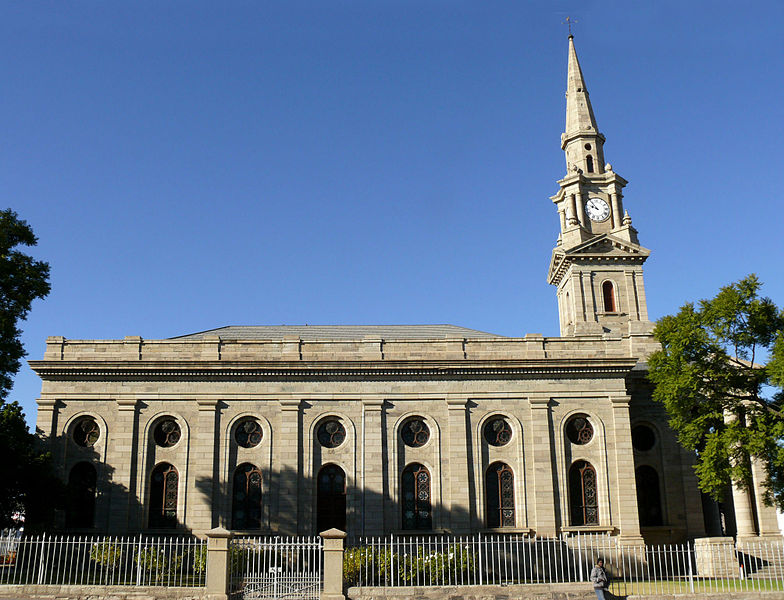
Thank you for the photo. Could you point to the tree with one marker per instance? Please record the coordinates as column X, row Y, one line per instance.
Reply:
column 723, row 400
column 24, row 470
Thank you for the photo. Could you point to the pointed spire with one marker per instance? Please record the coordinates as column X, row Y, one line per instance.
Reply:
column 579, row 113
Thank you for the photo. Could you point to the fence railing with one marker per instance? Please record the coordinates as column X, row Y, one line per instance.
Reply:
column 103, row 560
column 515, row 559
column 277, row 567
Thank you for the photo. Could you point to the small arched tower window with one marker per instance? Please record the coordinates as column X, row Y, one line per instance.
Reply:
column 608, row 293
column 589, row 163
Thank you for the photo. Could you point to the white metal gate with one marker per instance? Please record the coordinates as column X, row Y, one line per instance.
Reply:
column 274, row 568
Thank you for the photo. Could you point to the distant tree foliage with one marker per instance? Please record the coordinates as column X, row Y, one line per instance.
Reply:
column 26, row 484
column 723, row 399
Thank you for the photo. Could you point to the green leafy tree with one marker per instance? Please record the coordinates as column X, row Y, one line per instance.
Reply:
column 719, row 375
column 23, row 468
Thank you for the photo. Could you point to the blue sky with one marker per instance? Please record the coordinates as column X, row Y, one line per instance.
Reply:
column 188, row 165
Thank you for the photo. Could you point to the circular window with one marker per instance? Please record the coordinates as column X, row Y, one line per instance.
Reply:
column 643, row 438
column 587, row 146
column 415, row 433
column 331, row 433
column 86, row 433
column 498, row 432
column 167, row 433
column 248, row 433
column 579, row 430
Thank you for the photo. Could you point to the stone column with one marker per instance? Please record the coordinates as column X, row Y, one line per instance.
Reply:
column 617, row 217
column 333, row 564
column 578, row 199
column 218, row 563
column 203, row 509
column 457, row 473
column 543, row 461
column 625, row 486
column 374, row 469
column 288, row 475
column 123, row 455
column 766, row 515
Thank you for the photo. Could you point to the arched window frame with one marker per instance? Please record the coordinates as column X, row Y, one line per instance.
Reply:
column 500, row 496
column 589, row 163
column 609, row 296
column 583, row 494
column 81, row 499
column 322, row 496
column 164, row 497
column 416, row 498
column 248, row 480
column 649, row 498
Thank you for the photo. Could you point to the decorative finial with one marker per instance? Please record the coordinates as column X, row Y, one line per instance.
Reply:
column 568, row 22
column 627, row 220
column 608, row 167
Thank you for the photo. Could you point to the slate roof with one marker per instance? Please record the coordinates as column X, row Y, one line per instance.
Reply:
column 337, row 332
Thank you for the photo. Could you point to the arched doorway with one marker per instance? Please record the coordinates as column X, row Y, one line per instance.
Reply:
column 331, row 499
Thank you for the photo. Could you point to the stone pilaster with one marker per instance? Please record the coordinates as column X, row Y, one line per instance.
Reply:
column 457, row 476
column 766, row 515
column 543, row 460
column 123, row 456
column 374, row 469
column 624, row 484
column 289, row 444
column 203, row 479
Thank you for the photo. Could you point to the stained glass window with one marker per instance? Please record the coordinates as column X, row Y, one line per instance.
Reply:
column 86, row 432
column 81, row 496
column 415, row 489
column 415, row 432
column 331, row 433
column 331, row 499
column 163, row 496
column 583, row 494
column 579, row 430
column 246, row 498
column 499, row 481
column 498, row 432
column 167, row 433
column 248, row 433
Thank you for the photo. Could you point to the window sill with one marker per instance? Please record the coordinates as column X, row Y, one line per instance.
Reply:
column 589, row 529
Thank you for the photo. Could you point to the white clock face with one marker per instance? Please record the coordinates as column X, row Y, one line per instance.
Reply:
column 597, row 209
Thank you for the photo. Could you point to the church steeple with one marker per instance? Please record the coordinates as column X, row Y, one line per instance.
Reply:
column 581, row 140
column 597, row 261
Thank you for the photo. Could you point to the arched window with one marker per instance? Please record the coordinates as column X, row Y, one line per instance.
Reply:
column 499, row 493
column 608, row 293
column 583, row 501
column 81, row 496
column 163, row 496
column 648, row 497
column 246, row 498
column 415, row 492
column 331, row 499
column 589, row 163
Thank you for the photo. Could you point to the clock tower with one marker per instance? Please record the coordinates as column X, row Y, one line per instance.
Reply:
column 596, row 264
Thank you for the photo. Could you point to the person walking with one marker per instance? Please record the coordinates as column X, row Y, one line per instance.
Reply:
column 599, row 579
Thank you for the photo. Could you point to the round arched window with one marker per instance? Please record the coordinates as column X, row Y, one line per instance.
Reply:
column 248, row 433
column 331, row 433
column 579, row 430
column 86, row 432
column 167, row 433
column 415, row 432
column 498, row 432
column 643, row 438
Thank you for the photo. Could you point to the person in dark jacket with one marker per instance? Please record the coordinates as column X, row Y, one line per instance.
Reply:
column 599, row 579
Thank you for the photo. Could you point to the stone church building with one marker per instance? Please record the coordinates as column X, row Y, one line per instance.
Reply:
column 392, row 429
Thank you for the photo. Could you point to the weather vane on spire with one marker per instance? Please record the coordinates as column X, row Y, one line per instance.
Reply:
column 569, row 21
